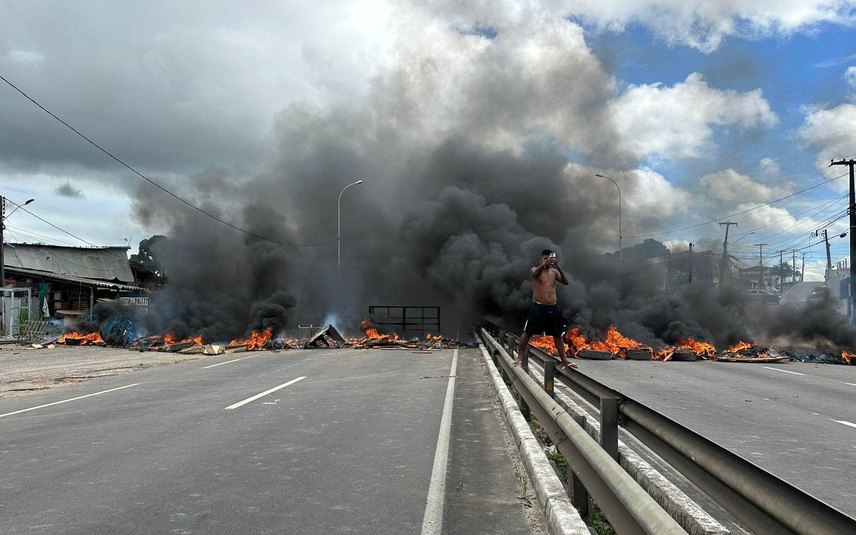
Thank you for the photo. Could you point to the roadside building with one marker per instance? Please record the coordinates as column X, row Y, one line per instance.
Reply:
column 63, row 282
column 760, row 278
column 703, row 267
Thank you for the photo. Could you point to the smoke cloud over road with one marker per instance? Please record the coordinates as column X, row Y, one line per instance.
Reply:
column 475, row 157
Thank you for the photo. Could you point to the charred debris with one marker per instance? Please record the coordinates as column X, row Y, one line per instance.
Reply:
column 121, row 332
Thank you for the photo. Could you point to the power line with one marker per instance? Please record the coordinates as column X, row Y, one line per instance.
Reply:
column 729, row 216
column 36, row 234
column 155, row 184
column 54, row 226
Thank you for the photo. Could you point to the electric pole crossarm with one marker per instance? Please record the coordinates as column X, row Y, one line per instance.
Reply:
column 850, row 164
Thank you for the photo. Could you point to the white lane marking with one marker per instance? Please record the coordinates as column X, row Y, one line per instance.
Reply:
column 67, row 400
column 227, row 362
column 432, row 522
column 263, row 394
column 851, row 424
column 850, row 384
column 783, row 371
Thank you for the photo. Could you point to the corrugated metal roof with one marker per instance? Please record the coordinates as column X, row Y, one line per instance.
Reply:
column 102, row 263
column 72, row 278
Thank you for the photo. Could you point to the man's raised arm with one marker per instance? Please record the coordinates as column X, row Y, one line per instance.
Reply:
column 536, row 271
column 562, row 277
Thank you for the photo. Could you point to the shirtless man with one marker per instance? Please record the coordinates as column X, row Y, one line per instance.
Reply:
column 544, row 315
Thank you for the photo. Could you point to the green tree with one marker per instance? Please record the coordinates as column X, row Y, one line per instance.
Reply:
column 785, row 271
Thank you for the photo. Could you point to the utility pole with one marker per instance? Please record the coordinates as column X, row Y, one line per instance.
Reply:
column 802, row 270
column 691, row 265
column 850, row 164
column 760, row 247
column 828, row 254
column 723, row 266
column 781, row 270
column 793, row 266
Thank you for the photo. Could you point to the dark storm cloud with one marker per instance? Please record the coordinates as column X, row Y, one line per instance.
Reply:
column 170, row 89
column 67, row 190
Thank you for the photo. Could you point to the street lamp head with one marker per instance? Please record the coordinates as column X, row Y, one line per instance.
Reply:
column 601, row 176
column 28, row 202
column 358, row 182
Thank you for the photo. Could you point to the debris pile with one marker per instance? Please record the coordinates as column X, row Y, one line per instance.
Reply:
column 749, row 352
column 614, row 344
column 374, row 338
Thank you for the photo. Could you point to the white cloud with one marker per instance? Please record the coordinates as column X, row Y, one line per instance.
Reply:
column 729, row 185
column 775, row 222
column 830, row 131
column 850, row 77
column 769, row 167
column 675, row 121
column 26, row 57
column 652, row 193
column 537, row 78
column 703, row 24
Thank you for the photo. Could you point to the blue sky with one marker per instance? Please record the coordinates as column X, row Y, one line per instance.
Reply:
column 794, row 72
column 698, row 112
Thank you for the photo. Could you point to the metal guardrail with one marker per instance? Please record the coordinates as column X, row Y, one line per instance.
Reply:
column 628, row 507
column 762, row 501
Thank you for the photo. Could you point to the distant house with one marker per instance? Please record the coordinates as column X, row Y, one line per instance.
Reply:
column 65, row 281
column 759, row 277
column 704, row 267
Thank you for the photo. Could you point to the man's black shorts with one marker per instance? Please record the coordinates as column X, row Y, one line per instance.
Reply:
column 545, row 319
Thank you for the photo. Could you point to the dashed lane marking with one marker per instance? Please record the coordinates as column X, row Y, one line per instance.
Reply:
column 263, row 394
column 227, row 362
column 842, row 422
column 783, row 371
column 67, row 400
column 850, row 384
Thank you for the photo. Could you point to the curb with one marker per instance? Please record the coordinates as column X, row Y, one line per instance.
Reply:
column 561, row 516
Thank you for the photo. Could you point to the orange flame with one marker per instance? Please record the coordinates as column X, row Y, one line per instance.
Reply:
column 619, row 344
column 544, row 343
column 739, row 346
column 614, row 342
column 700, row 348
column 169, row 339
column 848, row 357
column 195, row 339
column 82, row 339
column 372, row 333
column 664, row 354
column 256, row 340
column 370, row 330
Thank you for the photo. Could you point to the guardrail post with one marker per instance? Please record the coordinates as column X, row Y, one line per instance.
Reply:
column 495, row 357
column 609, row 426
column 549, row 376
column 509, row 342
column 578, row 493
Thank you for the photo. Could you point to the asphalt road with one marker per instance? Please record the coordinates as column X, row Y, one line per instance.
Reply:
column 796, row 420
column 345, row 445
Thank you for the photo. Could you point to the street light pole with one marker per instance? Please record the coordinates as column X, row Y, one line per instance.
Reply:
column 619, row 215
column 339, row 229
